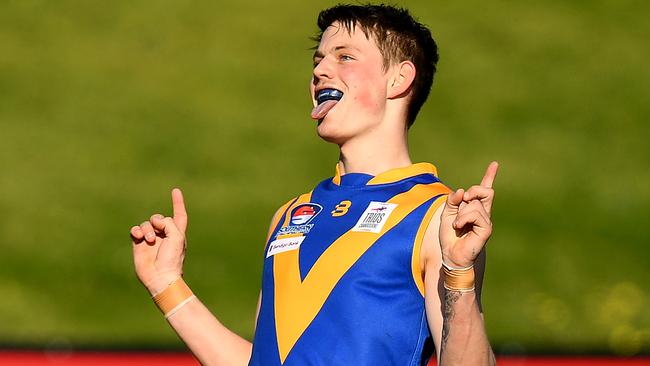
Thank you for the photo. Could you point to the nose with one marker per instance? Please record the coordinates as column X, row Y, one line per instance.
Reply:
column 323, row 70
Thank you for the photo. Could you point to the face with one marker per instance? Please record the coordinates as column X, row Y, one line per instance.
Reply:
column 351, row 63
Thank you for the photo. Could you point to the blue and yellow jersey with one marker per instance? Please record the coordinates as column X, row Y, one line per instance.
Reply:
column 342, row 283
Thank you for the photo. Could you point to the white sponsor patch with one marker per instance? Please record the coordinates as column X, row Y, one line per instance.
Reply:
column 374, row 217
column 284, row 245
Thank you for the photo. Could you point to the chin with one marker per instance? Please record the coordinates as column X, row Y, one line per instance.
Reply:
column 331, row 131
column 329, row 134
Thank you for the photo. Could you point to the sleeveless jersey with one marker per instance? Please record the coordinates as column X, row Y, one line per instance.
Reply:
column 341, row 282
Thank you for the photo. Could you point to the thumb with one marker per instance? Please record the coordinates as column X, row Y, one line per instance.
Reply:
column 453, row 203
column 171, row 228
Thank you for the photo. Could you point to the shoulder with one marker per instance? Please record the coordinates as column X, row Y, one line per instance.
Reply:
column 429, row 250
column 287, row 207
column 279, row 213
column 430, row 253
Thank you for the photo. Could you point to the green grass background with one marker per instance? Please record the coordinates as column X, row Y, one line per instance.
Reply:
column 105, row 106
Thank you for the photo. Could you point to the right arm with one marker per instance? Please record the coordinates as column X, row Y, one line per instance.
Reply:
column 158, row 254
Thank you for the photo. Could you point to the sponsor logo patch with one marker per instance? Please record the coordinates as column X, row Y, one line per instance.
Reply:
column 304, row 213
column 374, row 217
column 301, row 218
column 284, row 245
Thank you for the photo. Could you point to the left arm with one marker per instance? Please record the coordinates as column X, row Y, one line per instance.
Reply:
column 457, row 236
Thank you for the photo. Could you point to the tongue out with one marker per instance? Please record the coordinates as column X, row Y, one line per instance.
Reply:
column 321, row 110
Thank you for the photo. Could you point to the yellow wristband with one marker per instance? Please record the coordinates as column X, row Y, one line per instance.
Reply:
column 458, row 279
column 173, row 297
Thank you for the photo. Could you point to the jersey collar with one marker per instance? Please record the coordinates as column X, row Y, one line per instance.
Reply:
column 390, row 176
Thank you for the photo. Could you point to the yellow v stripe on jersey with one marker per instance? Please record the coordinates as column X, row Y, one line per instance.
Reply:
column 297, row 302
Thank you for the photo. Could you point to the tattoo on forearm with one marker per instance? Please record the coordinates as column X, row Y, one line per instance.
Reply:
column 450, row 298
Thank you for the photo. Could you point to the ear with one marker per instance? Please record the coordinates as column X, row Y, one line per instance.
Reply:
column 400, row 83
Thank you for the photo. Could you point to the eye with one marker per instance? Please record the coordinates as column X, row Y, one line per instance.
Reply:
column 345, row 57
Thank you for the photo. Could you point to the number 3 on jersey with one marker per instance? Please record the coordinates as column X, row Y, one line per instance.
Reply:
column 341, row 209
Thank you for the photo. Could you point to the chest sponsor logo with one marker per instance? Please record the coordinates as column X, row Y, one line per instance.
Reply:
column 374, row 217
column 284, row 245
column 304, row 213
column 301, row 218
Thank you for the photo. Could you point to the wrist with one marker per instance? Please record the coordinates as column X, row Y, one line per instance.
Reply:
column 173, row 297
column 457, row 264
column 160, row 283
column 459, row 279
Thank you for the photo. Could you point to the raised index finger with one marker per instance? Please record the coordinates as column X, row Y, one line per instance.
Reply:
column 178, row 205
column 490, row 174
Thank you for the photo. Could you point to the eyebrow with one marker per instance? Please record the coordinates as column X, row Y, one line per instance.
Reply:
column 319, row 54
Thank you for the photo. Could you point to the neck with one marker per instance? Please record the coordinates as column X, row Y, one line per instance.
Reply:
column 375, row 153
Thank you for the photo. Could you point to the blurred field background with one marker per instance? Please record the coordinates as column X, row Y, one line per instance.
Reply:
column 105, row 106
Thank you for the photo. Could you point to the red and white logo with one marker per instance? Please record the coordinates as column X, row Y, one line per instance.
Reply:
column 304, row 213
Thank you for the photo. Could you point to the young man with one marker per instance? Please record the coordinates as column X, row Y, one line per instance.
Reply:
column 373, row 265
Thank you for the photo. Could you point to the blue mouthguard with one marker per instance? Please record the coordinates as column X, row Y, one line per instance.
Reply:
column 328, row 94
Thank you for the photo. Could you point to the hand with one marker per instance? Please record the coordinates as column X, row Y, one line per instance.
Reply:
column 465, row 224
column 159, row 246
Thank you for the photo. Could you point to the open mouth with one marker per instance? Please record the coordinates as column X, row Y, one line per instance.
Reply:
column 326, row 99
